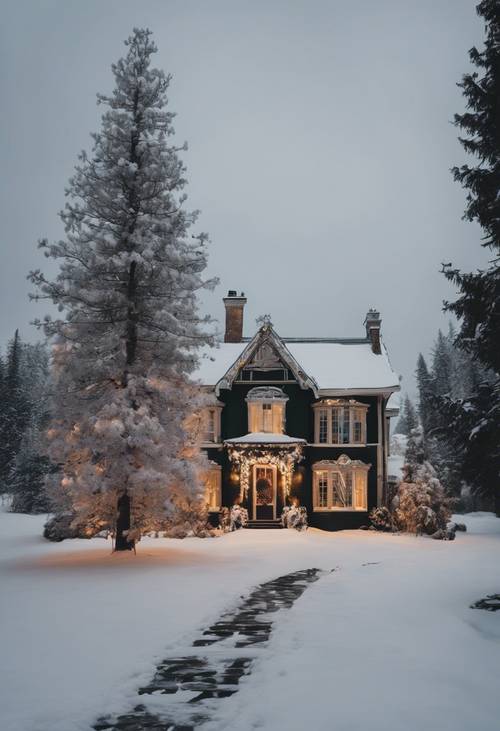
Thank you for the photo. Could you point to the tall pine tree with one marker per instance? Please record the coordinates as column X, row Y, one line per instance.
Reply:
column 130, row 271
column 425, row 391
column 14, row 413
column 408, row 421
column 478, row 304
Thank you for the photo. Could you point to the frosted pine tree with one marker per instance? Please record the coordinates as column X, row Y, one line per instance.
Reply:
column 408, row 419
column 130, row 271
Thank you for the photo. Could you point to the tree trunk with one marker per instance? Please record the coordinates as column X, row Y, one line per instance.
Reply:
column 123, row 524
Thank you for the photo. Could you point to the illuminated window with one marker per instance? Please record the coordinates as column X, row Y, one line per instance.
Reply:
column 210, row 424
column 323, row 426
column 213, row 488
column 322, row 489
column 266, row 410
column 341, row 484
column 340, row 422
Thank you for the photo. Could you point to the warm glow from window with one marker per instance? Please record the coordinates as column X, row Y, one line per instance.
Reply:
column 213, row 488
column 339, row 487
column 266, row 410
column 264, row 417
column 340, row 422
column 210, row 425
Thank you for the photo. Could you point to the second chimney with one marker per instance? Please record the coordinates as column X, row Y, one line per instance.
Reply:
column 234, row 304
column 372, row 324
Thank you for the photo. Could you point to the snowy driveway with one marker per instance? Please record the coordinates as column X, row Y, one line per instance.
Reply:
column 389, row 645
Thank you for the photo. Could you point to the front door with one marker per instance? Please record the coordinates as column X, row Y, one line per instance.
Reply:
column 264, row 480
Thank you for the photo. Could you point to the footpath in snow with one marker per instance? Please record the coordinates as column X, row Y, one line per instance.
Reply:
column 387, row 641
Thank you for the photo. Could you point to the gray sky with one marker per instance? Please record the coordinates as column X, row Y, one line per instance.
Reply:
column 319, row 149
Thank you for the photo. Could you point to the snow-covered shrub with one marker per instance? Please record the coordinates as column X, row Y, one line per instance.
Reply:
column 238, row 517
column 294, row 516
column 382, row 519
column 189, row 518
column 421, row 504
column 62, row 526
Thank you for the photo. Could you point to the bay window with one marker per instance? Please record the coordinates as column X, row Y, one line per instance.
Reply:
column 340, row 484
column 340, row 422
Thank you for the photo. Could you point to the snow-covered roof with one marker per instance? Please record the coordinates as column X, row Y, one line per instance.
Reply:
column 265, row 438
column 394, row 403
column 332, row 365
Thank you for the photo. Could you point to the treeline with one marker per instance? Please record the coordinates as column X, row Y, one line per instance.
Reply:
column 24, row 395
column 460, row 398
column 453, row 376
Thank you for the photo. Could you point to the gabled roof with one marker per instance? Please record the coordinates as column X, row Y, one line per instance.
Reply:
column 324, row 365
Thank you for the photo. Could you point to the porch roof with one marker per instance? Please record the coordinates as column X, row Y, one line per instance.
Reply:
column 282, row 440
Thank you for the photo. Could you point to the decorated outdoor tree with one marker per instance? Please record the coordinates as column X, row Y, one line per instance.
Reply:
column 129, row 275
column 421, row 504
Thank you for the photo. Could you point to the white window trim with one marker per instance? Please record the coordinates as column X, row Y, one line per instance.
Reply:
column 275, row 486
column 217, row 409
column 329, row 405
column 342, row 465
column 259, row 397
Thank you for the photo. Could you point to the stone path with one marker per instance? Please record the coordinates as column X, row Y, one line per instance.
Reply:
column 491, row 603
column 189, row 687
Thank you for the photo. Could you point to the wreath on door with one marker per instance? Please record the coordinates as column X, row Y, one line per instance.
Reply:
column 264, row 491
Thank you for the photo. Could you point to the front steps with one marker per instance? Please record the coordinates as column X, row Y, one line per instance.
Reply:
column 270, row 523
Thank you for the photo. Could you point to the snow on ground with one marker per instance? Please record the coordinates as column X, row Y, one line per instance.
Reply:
column 390, row 645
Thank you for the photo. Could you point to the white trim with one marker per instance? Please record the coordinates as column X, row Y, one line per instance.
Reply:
column 274, row 469
column 329, row 406
column 343, row 392
column 343, row 465
column 380, row 467
column 266, row 334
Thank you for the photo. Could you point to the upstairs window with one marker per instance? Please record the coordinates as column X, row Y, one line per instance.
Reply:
column 210, row 424
column 340, row 484
column 266, row 410
column 340, row 422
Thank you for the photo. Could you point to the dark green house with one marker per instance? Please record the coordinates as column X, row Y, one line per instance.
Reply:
column 304, row 419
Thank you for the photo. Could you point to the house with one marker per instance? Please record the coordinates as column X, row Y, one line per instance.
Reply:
column 303, row 418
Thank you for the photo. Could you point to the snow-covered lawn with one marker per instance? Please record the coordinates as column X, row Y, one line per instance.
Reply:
column 391, row 645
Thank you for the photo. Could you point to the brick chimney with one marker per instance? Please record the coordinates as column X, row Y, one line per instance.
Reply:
column 234, row 304
column 372, row 324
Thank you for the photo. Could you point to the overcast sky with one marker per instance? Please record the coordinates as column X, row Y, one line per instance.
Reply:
column 319, row 149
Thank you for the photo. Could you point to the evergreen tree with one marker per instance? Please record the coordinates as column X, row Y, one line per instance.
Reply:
column 28, row 475
column 425, row 390
column 478, row 304
column 14, row 412
column 408, row 419
column 441, row 365
column 129, row 274
column 31, row 464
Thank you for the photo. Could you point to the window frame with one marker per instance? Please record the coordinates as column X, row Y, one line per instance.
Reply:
column 326, row 474
column 205, row 432
column 214, row 471
column 260, row 401
column 332, row 413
